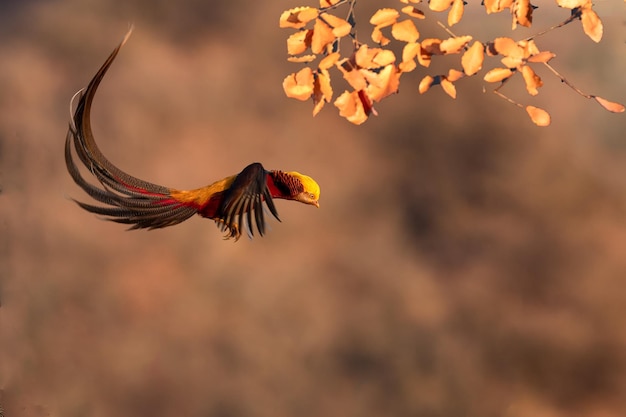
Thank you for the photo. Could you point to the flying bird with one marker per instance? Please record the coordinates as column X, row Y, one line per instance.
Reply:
column 235, row 203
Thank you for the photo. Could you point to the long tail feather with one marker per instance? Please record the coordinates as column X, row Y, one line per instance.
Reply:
column 126, row 199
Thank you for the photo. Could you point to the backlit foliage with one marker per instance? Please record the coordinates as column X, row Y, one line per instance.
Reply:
column 327, row 44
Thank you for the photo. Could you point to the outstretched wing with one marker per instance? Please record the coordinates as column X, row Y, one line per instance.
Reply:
column 243, row 200
column 125, row 199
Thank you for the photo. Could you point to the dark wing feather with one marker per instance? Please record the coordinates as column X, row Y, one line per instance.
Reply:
column 246, row 195
column 126, row 199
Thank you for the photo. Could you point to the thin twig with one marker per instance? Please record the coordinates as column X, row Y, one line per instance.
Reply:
column 575, row 15
column 448, row 31
column 564, row 81
column 497, row 92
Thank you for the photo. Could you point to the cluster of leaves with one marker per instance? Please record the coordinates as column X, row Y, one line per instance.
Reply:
column 374, row 72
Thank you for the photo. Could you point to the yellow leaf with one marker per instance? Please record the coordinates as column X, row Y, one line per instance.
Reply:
column 425, row 84
column 454, row 45
column 303, row 58
column 472, row 60
column 299, row 42
column 498, row 74
column 322, row 36
column 340, row 27
column 609, row 105
column 384, row 17
column 592, row 25
column 532, row 80
column 456, row 12
column 439, row 5
column 329, row 60
column 405, row 31
column 414, row 12
column 299, row 85
column 448, row 87
column 297, row 17
column 540, row 117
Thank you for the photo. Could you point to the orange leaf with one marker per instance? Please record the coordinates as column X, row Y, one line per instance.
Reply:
column 299, row 42
column 543, row 56
column 384, row 17
column 522, row 13
column 439, row 5
column 540, row 117
column 454, row 45
column 448, row 87
column 456, row 12
column 302, row 58
column 405, row 31
column 424, row 57
column 297, row 17
column 496, row 6
column 529, row 47
column 532, row 80
column 609, row 105
column 299, row 85
column 322, row 91
column 378, row 37
column 340, row 26
column 472, row 60
column 414, row 12
column 454, row 75
column 592, row 25
column 409, row 52
column 572, row 4
column 425, row 84
column 383, row 83
column 329, row 61
column 432, row 46
column 352, row 75
column 506, row 46
column 322, row 36
column 498, row 74
column 366, row 57
column 351, row 107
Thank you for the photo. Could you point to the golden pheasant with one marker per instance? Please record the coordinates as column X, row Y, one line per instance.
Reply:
column 233, row 203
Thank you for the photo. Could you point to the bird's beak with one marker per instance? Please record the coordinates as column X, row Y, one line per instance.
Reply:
column 316, row 203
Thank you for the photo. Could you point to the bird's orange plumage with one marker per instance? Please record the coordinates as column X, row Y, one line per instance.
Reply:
column 234, row 202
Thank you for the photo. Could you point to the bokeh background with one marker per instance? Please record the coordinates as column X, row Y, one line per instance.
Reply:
column 464, row 262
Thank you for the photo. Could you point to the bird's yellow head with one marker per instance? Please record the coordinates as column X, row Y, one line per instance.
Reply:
column 311, row 190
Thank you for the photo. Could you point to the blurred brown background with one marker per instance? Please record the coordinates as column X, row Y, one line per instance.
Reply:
column 463, row 263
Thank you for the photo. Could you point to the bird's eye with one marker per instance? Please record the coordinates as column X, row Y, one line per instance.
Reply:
column 312, row 196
